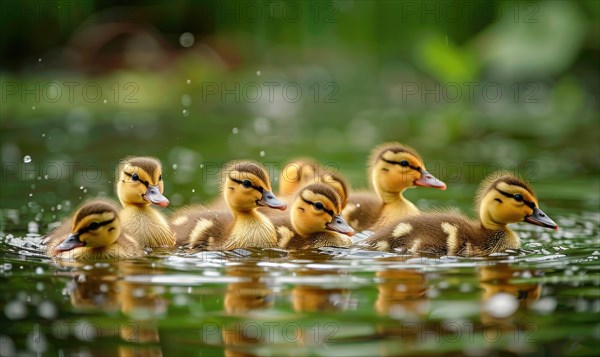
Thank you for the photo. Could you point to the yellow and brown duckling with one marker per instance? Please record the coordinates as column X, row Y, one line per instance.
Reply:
column 246, row 187
column 314, row 221
column 502, row 199
column 139, row 186
column 294, row 175
column 393, row 168
column 95, row 233
column 338, row 183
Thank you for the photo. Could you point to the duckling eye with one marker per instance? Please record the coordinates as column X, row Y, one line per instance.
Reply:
column 404, row 163
column 93, row 226
column 247, row 183
column 318, row 205
column 518, row 197
column 135, row 177
column 160, row 178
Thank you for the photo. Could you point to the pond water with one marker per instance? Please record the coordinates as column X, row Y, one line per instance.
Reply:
column 541, row 300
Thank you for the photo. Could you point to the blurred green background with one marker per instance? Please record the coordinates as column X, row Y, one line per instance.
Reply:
column 472, row 86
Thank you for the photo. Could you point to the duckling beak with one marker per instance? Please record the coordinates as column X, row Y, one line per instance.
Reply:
column 153, row 195
column 269, row 199
column 428, row 180
column 71, row 242
column 539, row 218
column 338, row 224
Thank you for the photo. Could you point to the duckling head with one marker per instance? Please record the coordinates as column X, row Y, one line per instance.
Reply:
column 247, row 186
column 338, row 183
column 318, row 208
column 295, row 174
column 503, row 198
column 395, row 167
column 140, row 183
column 95, row 224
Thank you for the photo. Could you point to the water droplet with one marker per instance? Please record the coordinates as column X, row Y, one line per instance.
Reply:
column 81, row 187
column 15, row 310
column 27, row 159
column 31, row 195
column 185, row 112
column 501, row 305
column 105, row 101
column 258, row 73
column 33, row 227
column 39, row 60
column 189, row 81
column 47, row 310
column 33, row 107
column 186, row 100
column 235, row 130
column 174, row 166
column 43, row 135
column 187, row 39
column 262, row 154
column 85, row 190
column 193, row 190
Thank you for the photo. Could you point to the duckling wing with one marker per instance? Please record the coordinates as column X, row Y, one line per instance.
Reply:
column 431, row 233
column 286, row 236
column 362, row 210
column 199, row 226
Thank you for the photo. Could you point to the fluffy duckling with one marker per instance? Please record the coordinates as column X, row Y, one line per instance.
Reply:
column 139, row 185
column 246, row 187
column 502, row 199
column 314, row 221
column 296, row 174
column 393, row 168
column 95, row 234
column 338, row 183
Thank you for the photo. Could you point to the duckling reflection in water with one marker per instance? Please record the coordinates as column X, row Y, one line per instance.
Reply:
column 314, row 221
column 246, row 188
column 393, row 168
column 502, row 199
column 102, row 289
column 95, row 234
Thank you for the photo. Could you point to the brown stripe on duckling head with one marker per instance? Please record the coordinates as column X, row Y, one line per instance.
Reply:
column 150, row 165
column 327, row 191
column 394, row 147
column 250, row 167
column 492, row 181
column 336, row 180
column 96, row 206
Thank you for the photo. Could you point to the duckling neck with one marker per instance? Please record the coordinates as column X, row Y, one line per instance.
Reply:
column 147, row 226
column 251, row 229
column 395, row 205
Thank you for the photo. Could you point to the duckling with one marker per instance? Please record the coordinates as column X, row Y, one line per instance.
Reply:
column 314, row 221
column 95, row 234
column 246, row 187
column 393, row 168
column 338, row 183
column 502, row 199
column 296, row 174
column 140, row 184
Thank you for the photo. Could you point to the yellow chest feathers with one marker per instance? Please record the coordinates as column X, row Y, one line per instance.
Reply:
column 251, row 230
column 148, row 227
